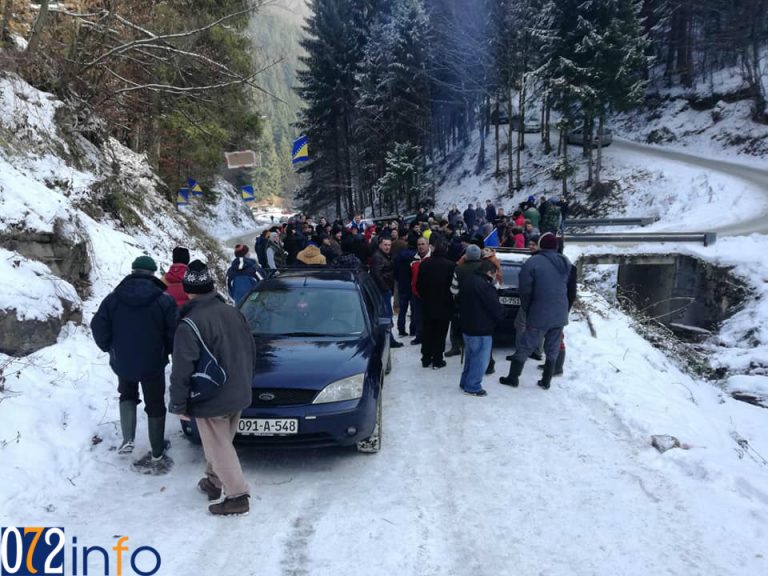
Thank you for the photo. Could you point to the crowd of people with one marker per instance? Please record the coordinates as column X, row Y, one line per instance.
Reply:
column 436, row 275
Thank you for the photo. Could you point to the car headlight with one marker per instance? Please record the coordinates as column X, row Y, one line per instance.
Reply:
column 350, row 388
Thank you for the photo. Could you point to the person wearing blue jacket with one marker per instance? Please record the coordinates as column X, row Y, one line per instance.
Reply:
column 243, row 274
column 135, row 324
column 547, row 288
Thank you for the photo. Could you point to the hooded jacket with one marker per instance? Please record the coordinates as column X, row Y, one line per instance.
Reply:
column 227, row 335
column 173, row 280
column 135, row 324
column 243, row 274
column 544, row 288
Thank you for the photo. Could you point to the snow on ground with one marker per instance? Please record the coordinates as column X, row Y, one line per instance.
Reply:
column 29, row 288
column 57, row 403
column 562, row 482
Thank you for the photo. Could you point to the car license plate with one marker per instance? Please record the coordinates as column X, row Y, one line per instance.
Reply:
column 267, row 427
column 510, row 300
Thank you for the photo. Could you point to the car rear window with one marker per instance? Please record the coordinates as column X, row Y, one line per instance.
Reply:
column 306, row 311
column 510, row 275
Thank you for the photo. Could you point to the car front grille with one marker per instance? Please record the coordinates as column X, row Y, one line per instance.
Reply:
column 281, row 397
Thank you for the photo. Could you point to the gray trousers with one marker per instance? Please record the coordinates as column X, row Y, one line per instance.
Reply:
column 530, row 339
column 223, row 468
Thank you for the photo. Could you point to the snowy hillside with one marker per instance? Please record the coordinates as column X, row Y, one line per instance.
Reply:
column 74, row 213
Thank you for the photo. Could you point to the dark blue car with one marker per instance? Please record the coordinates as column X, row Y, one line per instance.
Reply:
column 323, row 349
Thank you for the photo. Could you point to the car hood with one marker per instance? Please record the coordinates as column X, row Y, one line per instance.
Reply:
column 313, row 364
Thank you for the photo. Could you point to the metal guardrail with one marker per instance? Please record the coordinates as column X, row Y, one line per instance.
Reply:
column 576, row 222
column 706, row 238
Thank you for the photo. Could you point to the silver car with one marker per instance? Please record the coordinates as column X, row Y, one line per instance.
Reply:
column 577, row 137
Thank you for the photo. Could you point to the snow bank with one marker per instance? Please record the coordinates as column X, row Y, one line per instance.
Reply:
column 30, row 289
column 58, row 404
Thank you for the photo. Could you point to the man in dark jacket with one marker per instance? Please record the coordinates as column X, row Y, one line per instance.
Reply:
column 402, row 266
column 227, row 335
column 546, row 286
column 384, row 275
column 469, row 217
column 434, row 288
column 135, row 324
column 479, row 312
column 243, row 274
column 490, row 212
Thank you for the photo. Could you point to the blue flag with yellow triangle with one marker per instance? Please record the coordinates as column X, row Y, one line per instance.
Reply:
column 300, row 150
column 194, row 187
column 182, row 197
column 247, row 193
column 492, row 240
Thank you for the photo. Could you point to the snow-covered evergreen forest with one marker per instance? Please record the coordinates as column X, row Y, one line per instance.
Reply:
column 393, row 87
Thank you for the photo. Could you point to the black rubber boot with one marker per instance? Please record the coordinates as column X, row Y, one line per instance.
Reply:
column 559, row 363
column 128, row 426
column 156, row 429
column 513, row 378
column 546, row 377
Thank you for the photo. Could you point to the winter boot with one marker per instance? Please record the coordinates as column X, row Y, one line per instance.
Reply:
column 513, row 378
column 128, row 426
column 491, row 367
column 559, row 363
column 453, row 352
column 236, row 506
column 209, row 489
column 156, row 428
column 546, row 377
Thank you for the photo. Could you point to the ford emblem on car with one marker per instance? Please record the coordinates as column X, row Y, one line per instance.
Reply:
column 266, row 397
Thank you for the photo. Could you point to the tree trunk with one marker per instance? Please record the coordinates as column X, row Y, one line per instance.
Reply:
column 599, row 161
column 545, row 124
column 37, row 29
column 588, row 132
column 7, row 15
column 496, row 130
column 520, row 133
column 510, row 165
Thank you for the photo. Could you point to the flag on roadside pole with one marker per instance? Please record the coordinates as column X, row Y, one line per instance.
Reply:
column 492, row 240
column 194, row 187
column 300, row 150
column 247, row 193
column 182, row 197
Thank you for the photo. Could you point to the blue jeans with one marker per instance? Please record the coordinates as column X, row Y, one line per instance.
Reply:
column 405, row 298
column 477, row 354
column 417, row 321
column 387, row 303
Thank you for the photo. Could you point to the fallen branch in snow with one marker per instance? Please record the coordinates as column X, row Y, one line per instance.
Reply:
column 746, row 448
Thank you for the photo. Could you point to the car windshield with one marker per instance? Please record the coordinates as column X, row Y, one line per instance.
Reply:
column 304, row 312
column 510, row 275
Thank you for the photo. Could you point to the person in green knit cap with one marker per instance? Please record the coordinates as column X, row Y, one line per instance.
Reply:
column 135, row 324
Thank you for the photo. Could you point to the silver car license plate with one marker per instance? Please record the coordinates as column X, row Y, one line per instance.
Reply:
column 510, row 300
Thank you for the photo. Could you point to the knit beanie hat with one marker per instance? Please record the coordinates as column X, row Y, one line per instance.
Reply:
column 241, row 250
column 144, row 263
column 180, row 255
column 198, row 279
column 472, row 253
column 548, row 241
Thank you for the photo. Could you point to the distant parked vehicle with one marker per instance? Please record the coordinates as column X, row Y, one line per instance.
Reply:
column 576, row 137
column 531, row 126
column 499, row 116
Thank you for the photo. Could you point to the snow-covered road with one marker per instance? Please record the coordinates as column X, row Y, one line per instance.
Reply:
column 754, row 176
column 522, row 482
